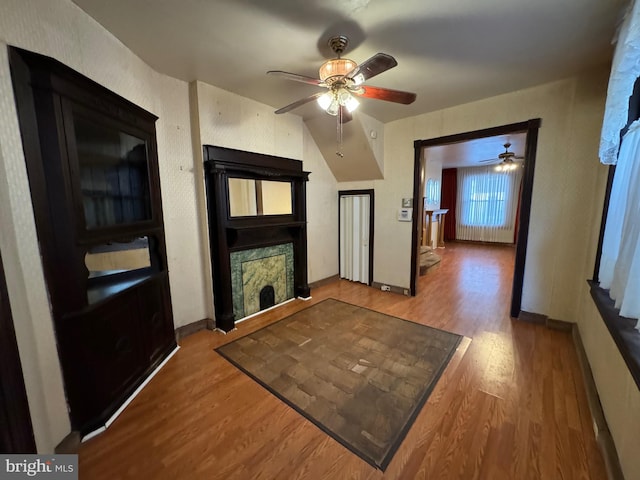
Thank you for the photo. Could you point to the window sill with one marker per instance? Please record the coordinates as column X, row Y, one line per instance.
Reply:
column 622, row 329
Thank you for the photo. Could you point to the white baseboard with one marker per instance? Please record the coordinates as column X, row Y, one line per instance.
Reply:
column 126, row 403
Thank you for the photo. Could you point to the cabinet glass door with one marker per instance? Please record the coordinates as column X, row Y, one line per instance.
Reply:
column 113, row 173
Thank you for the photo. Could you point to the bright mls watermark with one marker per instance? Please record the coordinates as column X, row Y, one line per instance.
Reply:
column 51, row 467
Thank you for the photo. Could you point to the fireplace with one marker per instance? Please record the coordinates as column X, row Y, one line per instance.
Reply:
column 261, row 278
column 257, row 208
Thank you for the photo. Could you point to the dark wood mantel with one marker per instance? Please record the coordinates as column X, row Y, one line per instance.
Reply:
column 228, row 234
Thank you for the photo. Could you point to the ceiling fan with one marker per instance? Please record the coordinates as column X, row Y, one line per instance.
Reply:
column 343, row 78
column 505, row 160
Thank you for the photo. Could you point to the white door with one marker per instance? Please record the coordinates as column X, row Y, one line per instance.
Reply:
column 354, row 237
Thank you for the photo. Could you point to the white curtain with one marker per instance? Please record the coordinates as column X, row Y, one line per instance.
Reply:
column 487, row 204
column 624, row 71
column 354, row 237
column 620, row 259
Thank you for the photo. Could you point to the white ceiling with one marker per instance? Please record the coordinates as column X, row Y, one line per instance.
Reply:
column 449, row 51
column 480, row 151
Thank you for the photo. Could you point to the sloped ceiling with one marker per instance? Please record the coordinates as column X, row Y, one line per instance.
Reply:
column 360, row 154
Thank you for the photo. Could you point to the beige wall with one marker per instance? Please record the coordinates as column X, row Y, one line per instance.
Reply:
column 619, row 394
column 565, row 220
column 229, row 120
column 322, row 213
column 374, row 133
column 567, row 197
column 566, row 170
column 60, row 29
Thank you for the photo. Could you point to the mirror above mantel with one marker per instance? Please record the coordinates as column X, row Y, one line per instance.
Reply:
column 250, row 197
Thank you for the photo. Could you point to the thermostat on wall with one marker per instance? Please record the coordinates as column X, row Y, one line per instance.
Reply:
column 405, row 214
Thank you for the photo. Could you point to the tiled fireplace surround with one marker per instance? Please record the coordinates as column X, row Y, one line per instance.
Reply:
column 257, row 268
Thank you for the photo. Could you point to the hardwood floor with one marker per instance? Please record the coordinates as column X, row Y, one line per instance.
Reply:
column 511, row 404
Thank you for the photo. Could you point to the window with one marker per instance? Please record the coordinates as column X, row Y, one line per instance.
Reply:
column 487, row 204
column 620, row 256
column 619, row 261
column 484, row 201
column 617, row 264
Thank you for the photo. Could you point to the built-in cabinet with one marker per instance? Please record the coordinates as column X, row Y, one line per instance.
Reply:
column 93, row 173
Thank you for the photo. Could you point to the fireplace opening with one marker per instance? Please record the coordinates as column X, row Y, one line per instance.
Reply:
column 267, row 297
column 253, row 270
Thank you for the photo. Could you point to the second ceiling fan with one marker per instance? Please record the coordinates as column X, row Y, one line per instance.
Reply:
column 505, row 161
column 344, row 80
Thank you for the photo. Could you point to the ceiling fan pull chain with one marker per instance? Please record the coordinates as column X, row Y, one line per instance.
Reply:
column 339, row 134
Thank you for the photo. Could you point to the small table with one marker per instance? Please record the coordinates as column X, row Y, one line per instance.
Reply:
column 429, row 216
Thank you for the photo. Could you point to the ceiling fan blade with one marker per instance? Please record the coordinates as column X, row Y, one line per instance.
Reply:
column 299, row 103
column 387, row 94
column 345, row 115
column 380, row 62
column 296, row 77
column 492, row 160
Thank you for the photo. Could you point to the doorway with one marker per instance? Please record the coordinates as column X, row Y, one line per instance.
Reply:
column 530, row 128
column 355, row 218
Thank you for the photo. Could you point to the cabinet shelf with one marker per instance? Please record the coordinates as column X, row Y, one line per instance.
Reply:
column 104, row 290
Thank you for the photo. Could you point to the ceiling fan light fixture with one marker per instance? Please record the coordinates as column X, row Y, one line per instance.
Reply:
column 333, row 107
column 336, row 67
column 331, row 101
column 324, row 100
column 351, row 103
column 346, row 99
column 506, row 166
column 358, row 79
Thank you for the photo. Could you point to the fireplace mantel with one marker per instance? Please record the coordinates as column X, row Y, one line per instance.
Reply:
column 229, row 234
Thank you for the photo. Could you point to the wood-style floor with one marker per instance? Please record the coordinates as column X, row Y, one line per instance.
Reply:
column 511, row 404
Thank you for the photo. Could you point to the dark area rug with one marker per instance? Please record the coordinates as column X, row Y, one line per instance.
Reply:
column 359, row 375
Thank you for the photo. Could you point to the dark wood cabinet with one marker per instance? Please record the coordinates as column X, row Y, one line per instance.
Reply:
column 93, row 172
column 16, row 432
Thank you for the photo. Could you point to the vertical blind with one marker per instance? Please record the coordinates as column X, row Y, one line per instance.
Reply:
column 487, row 204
